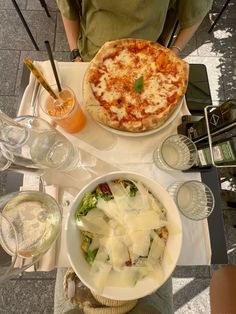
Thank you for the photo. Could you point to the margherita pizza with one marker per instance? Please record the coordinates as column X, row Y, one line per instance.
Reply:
column 134, row 85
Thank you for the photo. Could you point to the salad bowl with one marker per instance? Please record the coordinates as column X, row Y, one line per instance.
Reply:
column 146, row 284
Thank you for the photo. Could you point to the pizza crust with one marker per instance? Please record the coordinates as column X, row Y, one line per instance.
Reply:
column 105, row 116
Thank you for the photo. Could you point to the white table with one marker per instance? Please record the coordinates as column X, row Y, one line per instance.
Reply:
column 106, row 151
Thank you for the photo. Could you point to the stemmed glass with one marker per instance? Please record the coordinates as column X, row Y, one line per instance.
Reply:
column 30, row 221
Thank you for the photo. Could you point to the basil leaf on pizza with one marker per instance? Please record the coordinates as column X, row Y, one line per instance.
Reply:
column 114, row 92
column 139, row 85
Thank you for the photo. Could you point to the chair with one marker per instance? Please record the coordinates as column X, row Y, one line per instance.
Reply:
column 223, row 290
column 219, row 15
column 170, row 29
column 44, row 5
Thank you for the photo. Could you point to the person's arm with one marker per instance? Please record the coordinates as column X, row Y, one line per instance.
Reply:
column 70, row 12
column 72, row 31
column 184, row 37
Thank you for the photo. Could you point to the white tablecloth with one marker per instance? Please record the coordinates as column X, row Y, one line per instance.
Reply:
column 103, row 151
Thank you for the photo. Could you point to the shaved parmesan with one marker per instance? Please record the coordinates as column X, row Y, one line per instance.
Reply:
column 128, row 277
column 156, row 251
column 144, row 221
column 140, row 242
column 100, row 269
column 94, row 222
column 118, row 252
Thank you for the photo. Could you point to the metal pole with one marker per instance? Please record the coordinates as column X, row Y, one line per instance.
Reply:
column 218, row 16
column 44, row 5
column 25, row 24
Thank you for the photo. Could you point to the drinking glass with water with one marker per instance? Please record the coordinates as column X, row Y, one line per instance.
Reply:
column 34, row 143
column 194, row 199
column 176, row 152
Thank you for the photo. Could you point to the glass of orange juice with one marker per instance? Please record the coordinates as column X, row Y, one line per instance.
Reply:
column 65, row 110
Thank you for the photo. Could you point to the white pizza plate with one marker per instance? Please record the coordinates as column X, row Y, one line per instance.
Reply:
column 148, row 284
column 144, row 133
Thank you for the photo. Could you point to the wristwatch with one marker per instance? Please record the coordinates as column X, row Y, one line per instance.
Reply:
column 74, row 54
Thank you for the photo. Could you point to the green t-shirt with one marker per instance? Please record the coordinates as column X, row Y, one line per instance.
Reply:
column 104, row 20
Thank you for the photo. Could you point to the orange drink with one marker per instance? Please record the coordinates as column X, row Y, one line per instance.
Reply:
column 65, row 110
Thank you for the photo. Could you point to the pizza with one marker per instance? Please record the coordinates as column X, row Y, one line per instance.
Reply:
column 134, row 85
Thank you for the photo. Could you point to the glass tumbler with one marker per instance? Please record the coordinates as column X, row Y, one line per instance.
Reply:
column 194, row 199
column 65, row 110
column 36, row 144
column 177, row 152
column 30, row 222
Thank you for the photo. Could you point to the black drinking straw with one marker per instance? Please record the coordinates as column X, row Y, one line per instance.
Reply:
column 49, row 50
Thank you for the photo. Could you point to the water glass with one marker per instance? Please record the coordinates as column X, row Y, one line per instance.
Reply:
column 65, row 110
column 194, row 199
column 177, row 152
column 36, row 144
column 30, row 221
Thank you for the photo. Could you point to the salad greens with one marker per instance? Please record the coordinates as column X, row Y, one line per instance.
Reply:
column 89, row 201
column 131, row 186
column 90, row 256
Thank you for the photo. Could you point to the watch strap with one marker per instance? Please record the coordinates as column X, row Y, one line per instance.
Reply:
column 74, row 54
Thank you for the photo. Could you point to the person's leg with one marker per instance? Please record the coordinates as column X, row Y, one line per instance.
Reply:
column 160, row 302
column 223, row 290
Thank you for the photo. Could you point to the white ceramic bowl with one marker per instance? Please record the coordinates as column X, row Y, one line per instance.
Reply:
column 172, row 250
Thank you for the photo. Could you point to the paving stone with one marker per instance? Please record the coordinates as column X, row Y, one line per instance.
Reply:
column 9, row 65
column 61, row 43
column 228, row 69
column 27, row 297
column 60, row 26
column 35, row 5
column 16, row 37
column 191, row 296
column 197, row 271
column 6, row 4
column 39, row 275
column 191, row 48
column 9, row 105
column 229, row 12
column 220, row 42
column 230, row 233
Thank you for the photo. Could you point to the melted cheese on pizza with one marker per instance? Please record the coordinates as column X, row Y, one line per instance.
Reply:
column 113, row 82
